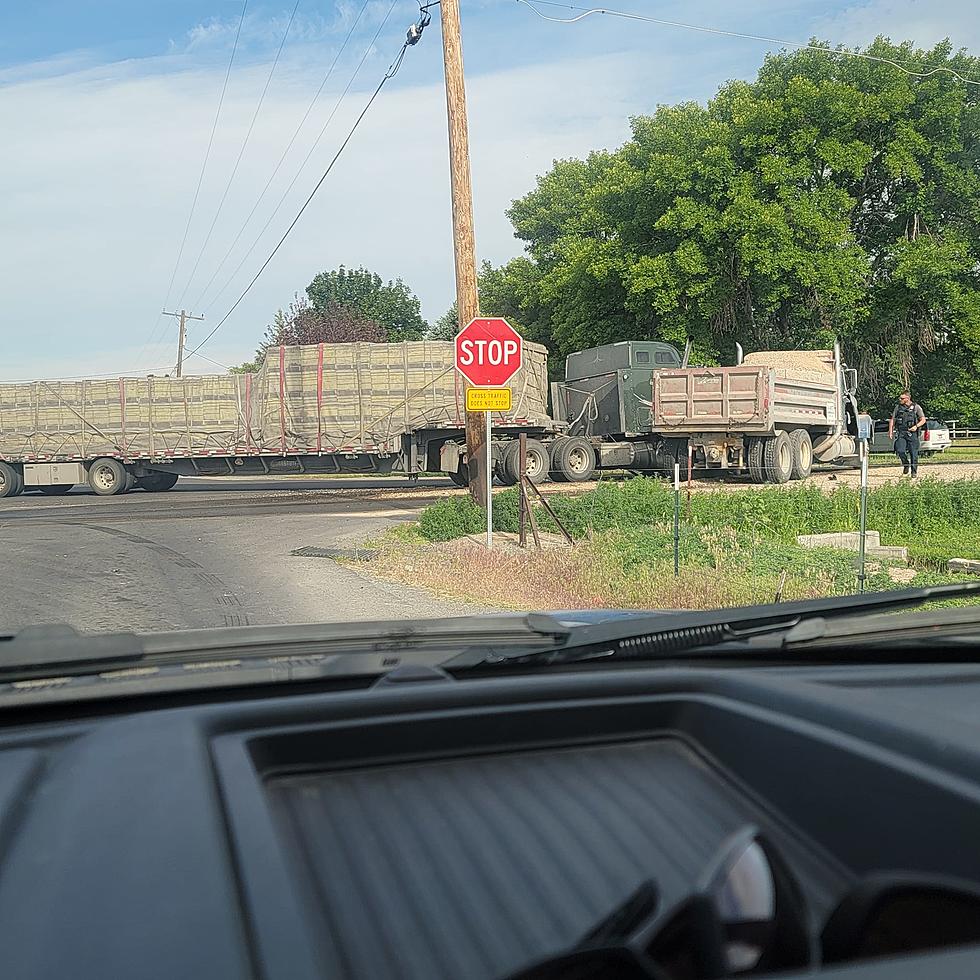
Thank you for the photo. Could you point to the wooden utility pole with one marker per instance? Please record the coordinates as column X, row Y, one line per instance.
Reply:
column 182, row 336
column 464, row 242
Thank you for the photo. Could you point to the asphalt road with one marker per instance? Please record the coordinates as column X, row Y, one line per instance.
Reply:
column 208, row 553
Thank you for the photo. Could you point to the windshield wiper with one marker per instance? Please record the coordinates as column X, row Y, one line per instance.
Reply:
column 742, row 631
column 58, row 650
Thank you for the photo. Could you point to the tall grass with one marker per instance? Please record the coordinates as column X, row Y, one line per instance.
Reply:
column 935, row 520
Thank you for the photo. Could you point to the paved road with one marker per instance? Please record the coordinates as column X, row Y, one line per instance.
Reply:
column 209, row 553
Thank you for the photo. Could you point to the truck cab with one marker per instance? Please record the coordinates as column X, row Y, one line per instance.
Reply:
column 607, row 390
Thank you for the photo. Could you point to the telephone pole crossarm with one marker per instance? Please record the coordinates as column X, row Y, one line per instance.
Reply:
column 183, row 316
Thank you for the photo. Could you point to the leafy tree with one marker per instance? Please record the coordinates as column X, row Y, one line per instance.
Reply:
column 500, row 295
column 391, row 304
column 833, row 197
column 302, row 323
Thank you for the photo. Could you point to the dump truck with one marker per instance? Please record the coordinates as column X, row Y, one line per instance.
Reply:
column 317, row 409
column 636, row 406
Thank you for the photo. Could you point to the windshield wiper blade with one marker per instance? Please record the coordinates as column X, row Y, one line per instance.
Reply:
column 45, row 651
column 664, row 635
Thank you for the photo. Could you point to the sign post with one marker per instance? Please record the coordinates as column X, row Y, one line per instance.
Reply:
column 489, row 352
column 865, row 434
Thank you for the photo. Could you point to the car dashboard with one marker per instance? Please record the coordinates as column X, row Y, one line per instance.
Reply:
column 469, row 826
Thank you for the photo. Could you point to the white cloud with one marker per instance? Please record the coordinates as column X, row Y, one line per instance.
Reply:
column 926, row 23
column 100, row 165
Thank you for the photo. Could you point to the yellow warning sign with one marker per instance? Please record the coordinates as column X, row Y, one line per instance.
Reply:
column 488, row 399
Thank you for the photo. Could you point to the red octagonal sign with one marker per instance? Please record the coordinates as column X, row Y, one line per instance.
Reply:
column 489, row 352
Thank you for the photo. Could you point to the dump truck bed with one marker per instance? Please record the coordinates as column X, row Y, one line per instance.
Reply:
column 752, row 398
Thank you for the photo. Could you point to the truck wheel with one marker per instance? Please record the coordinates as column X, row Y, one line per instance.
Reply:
column 777, row 458
column 108, row 477
column 573, row 460
column 11, row 481
column 802, row 453
column 757, row 471
column 157, row 482
column 538, row 462
column 56, row 489
column 462, row 476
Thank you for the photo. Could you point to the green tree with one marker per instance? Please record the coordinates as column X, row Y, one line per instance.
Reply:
column 501, row 294
column 302, row 323
column 392, row 304
column 833, row 197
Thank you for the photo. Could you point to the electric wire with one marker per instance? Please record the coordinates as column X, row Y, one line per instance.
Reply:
column 843, row 52
column 282, row 200
column 241, row 153
column 282, row 158
column 388, row 75
column 200, row 181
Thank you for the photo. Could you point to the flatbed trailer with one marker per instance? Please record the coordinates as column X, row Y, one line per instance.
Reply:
column 318, row 409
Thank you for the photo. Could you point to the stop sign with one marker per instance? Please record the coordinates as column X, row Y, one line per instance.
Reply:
column 489, row 352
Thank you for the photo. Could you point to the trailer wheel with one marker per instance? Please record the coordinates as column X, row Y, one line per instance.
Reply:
column 573, row 460
column 461, row 477
column 56, row 489
column 11, row 481
column 757, row 471
column 777, row 458
column 157, row 482
column 108, row 477
column 537, row 459
column 802, row 453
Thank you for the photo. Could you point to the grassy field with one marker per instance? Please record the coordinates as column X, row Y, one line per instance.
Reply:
column 735, row 548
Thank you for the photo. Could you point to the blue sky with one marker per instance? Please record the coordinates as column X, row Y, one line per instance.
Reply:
column 106, row 107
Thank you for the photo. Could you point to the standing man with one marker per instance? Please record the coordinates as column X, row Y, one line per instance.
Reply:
column 906, row 421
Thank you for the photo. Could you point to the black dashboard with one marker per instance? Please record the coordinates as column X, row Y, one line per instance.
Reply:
column 464, row 827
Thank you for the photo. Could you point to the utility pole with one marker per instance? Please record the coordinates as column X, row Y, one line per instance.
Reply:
column 184, row 316
column 464, row 242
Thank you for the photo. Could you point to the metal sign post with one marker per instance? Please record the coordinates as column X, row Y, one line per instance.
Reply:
column 489, row 417
column 865, row 435
column 864, row 513
column 677, row 519
column 488, row 401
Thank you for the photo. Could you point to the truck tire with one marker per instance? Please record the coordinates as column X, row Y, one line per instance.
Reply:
column 56, row 489
column 107, row 477
column 572, row 460
column 462, row 476
column 538, row 462
column 802, row 454
column 157, row 482
column 777, row 458
column 11, row 481
column 757, row 470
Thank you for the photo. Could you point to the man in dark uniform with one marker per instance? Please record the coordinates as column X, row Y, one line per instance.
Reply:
column 906, row 421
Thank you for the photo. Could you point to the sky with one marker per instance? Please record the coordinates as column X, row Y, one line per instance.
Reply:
column 107, row 109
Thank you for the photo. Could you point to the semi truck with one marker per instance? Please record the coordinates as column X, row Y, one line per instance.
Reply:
column 398, row 409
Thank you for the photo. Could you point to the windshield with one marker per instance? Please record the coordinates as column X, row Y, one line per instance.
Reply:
column 282, row 347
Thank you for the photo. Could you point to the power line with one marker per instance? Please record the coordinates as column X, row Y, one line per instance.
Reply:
column 844, row 52
column 200, row 180
column 241, row 153
column 306, row 159
column 129, row 373
column 389, row 74
column 210, row 360
column 282, row 158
